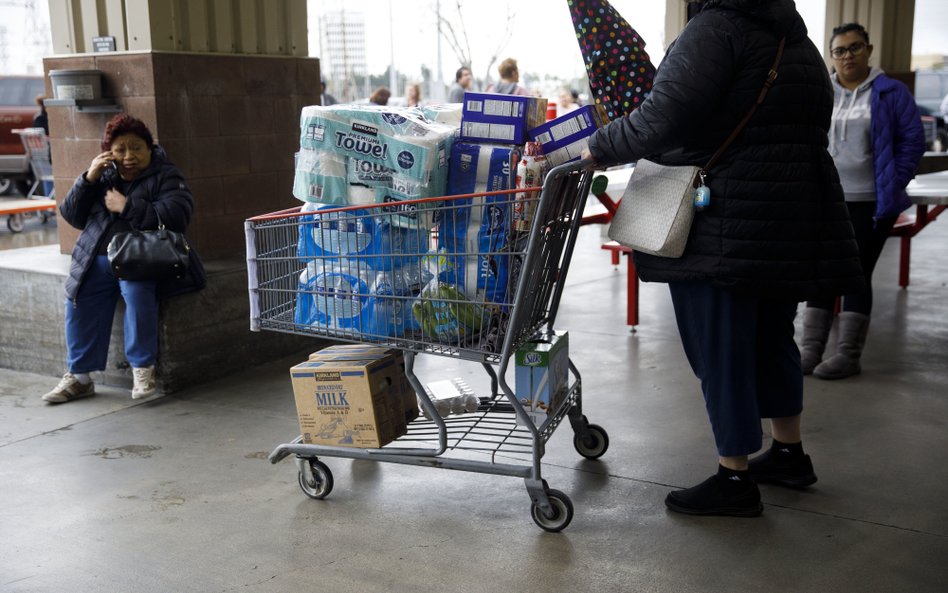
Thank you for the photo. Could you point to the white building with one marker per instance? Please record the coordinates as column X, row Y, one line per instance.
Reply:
column 342, row 54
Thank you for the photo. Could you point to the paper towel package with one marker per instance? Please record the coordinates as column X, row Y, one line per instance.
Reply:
column 402, row 140
column 490, row 117
column 445, row 113
column 564, row 138
column 320, row 176
column 369, row 154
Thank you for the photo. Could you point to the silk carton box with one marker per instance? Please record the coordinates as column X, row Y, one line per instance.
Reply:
column 351, row 399
column 491, row 117
column 541, row 375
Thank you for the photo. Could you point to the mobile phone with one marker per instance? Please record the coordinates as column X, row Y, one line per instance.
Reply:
column 113, row 166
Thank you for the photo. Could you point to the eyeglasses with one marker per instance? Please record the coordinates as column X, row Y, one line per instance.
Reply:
column 854, row 50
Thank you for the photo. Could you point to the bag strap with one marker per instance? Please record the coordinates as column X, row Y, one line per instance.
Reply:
column 771, row 78
column 161, row 225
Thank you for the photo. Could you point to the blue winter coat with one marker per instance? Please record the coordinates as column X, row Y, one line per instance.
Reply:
column 898, row 142
column 159, row 191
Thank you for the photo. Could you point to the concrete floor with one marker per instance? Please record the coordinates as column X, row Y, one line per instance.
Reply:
column 176, row 494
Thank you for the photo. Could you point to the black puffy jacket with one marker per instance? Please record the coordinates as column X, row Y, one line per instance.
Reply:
column 777, row 226
column 160, row 188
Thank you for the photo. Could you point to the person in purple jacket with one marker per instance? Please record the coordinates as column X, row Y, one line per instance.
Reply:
column 876, row 140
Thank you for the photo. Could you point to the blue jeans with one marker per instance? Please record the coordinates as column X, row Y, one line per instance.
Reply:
column 89, row 320
column 742, row 350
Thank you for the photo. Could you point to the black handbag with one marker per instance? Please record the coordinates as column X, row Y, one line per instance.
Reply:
column 149, row 255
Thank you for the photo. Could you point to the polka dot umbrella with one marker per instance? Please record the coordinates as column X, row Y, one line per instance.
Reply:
column 620, row 72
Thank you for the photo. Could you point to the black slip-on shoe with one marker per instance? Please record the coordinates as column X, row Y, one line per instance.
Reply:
column 782, row 470
column 718, row 496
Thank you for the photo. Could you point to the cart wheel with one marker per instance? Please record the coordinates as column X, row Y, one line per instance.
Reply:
column 594, row 445
column 318, row 484
column 15, row 222
column 562, row 512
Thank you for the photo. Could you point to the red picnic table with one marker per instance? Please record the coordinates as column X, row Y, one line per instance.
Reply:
column 926, row 190
column 929, row 194
column 15, row 208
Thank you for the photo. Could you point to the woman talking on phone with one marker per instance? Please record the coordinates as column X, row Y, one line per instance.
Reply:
column 130, row 185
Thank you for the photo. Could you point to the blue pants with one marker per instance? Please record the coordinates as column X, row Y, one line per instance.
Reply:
column 89, row 320
column 742, row 350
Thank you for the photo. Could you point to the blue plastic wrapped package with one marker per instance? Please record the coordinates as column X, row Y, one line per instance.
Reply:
column 360, row 236
column 473, row 234
column 341, row 295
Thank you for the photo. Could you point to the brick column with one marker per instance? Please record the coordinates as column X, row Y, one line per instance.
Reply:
column 229, row 122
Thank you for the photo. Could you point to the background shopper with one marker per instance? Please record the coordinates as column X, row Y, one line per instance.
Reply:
column 876, row 140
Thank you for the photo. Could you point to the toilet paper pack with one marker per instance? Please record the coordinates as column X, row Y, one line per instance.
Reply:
column 473, row 233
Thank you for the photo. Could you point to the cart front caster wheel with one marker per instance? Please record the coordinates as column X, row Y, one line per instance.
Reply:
column 317, row 482
column 594, row 445
column 15, row 223
column 562, row 512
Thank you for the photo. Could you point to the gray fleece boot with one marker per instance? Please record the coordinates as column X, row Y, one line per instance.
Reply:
column 853, row 328
column 816, row 329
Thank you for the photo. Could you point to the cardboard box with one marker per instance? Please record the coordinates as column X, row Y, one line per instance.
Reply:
column 541, row 376
column 492, row 117
column 403, row 407
column 352, row 397
column 564, row 138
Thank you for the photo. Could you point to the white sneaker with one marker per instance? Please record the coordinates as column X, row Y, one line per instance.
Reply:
column 69, row 388
column 144, row 382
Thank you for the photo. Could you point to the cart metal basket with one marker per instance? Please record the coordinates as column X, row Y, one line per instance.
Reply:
column 471, row 277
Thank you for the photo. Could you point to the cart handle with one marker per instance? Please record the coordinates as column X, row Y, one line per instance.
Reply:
column 295, row 211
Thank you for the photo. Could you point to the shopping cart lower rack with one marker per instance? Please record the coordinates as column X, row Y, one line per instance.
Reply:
column 470, row 277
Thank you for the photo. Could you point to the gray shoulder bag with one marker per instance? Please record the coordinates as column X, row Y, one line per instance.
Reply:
column 659, row 203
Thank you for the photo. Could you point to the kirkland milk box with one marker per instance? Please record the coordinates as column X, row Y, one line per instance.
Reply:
column 564, row 138
column 541, row 376
column 352, row 398
column 492, row 117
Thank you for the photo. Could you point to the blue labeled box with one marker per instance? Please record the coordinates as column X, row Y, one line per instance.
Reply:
column 564, row 138
column 492, row 117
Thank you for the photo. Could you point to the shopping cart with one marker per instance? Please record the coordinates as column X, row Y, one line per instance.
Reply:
column 418, row 305
column 36, row 148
